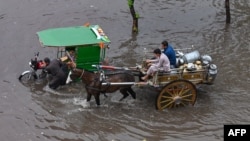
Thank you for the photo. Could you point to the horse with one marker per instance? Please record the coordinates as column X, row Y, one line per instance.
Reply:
column 93, row 82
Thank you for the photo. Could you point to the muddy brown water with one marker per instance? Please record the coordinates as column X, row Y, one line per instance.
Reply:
column 33, row 113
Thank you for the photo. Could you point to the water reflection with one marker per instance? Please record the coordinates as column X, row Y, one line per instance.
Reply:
column 34, row 113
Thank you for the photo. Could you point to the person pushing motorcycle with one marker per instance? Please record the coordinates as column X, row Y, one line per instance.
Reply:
column 55, row 69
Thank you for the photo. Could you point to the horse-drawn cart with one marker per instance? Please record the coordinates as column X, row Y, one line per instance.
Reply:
column 177, row 87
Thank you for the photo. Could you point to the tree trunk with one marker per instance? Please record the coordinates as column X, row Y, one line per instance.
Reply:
column 228, row 17
column 134, row 16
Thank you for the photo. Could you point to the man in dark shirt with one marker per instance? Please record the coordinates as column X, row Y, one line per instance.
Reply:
column 169, row 51
column 54, row 68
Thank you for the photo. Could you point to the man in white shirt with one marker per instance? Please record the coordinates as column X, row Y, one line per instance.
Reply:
column 161, row 62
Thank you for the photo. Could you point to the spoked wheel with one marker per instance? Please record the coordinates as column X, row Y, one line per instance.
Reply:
column 176, row 94
column 27, row 77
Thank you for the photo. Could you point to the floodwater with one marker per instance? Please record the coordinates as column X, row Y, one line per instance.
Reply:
column 33, row 113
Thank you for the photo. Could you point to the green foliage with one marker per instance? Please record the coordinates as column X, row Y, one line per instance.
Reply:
column 135, row 29
column 130, row 3
column 137, row 15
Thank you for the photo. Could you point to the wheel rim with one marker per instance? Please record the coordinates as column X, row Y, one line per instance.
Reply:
column 26, row 78
column 176, row 94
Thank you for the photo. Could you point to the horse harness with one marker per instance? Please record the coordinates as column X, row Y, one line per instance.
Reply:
column 102, row 78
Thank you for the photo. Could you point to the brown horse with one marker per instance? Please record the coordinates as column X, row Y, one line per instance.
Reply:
column 93, row 83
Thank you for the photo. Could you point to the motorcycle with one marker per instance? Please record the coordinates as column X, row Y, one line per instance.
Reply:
column 36, row 71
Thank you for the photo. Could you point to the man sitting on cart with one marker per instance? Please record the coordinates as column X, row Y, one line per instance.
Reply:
column 161, row 62
column 69, row 57
column 169, row 52
column 69, row 60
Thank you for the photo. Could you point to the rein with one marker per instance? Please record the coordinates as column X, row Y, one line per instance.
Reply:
column 81, row 74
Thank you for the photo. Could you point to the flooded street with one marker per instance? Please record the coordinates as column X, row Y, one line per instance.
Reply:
column 33, row 113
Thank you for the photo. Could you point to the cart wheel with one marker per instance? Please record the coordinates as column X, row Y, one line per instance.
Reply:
column 176, row 94
column 27, row 77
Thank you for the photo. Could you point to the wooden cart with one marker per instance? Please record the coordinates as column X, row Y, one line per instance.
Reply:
column 178, row 87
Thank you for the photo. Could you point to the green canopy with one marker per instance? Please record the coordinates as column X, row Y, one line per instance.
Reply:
column 72, row 36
